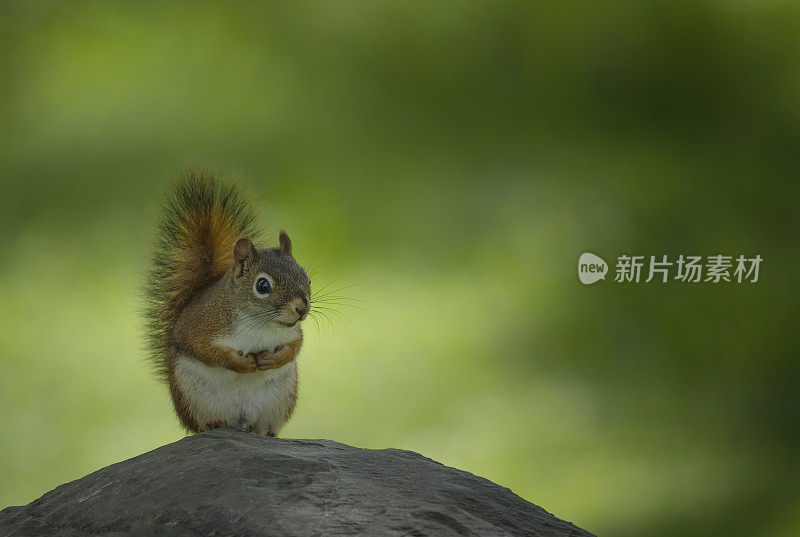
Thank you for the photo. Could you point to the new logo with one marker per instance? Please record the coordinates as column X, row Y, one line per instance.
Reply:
column 591, row 268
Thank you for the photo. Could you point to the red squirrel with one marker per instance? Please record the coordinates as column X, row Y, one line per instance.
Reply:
column 223, row 317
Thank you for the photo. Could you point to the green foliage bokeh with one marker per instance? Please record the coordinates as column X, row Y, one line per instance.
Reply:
column 447, row 163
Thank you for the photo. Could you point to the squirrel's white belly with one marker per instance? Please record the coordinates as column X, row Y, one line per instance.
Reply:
column 261, row 399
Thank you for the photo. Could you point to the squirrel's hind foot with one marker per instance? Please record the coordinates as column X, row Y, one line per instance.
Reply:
column 250, row 428
column 216, row 424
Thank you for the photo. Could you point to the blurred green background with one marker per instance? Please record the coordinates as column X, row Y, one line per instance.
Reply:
column 453, row 159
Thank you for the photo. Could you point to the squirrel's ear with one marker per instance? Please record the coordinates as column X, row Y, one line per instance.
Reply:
column 244, row 252
column 285, row 243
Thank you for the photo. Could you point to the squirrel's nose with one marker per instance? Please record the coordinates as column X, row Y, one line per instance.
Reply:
column 301, row 309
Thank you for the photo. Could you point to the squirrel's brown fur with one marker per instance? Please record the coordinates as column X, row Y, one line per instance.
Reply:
column 201, row 221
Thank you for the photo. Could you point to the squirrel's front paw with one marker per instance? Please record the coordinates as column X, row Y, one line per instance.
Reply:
column 273, row 360
column 240, row 363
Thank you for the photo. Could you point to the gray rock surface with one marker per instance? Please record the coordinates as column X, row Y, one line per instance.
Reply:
column 226, row 482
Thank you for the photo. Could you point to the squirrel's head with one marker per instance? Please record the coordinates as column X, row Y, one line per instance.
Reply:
column 270, row 283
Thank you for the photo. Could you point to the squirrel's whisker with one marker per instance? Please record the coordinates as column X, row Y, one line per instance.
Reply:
column 328, row 284
column 343, row 288
column 332, row 303
column 324, row 316
column 330, row 315
column 341, row 297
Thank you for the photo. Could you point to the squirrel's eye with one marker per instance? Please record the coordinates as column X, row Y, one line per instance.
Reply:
column 263, row 286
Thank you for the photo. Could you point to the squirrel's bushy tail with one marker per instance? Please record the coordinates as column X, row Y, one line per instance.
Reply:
column 201, row 220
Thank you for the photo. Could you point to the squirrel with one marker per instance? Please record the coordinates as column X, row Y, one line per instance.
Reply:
column 223, row 317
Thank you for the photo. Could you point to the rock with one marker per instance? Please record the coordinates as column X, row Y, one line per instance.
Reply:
column 226, row 482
